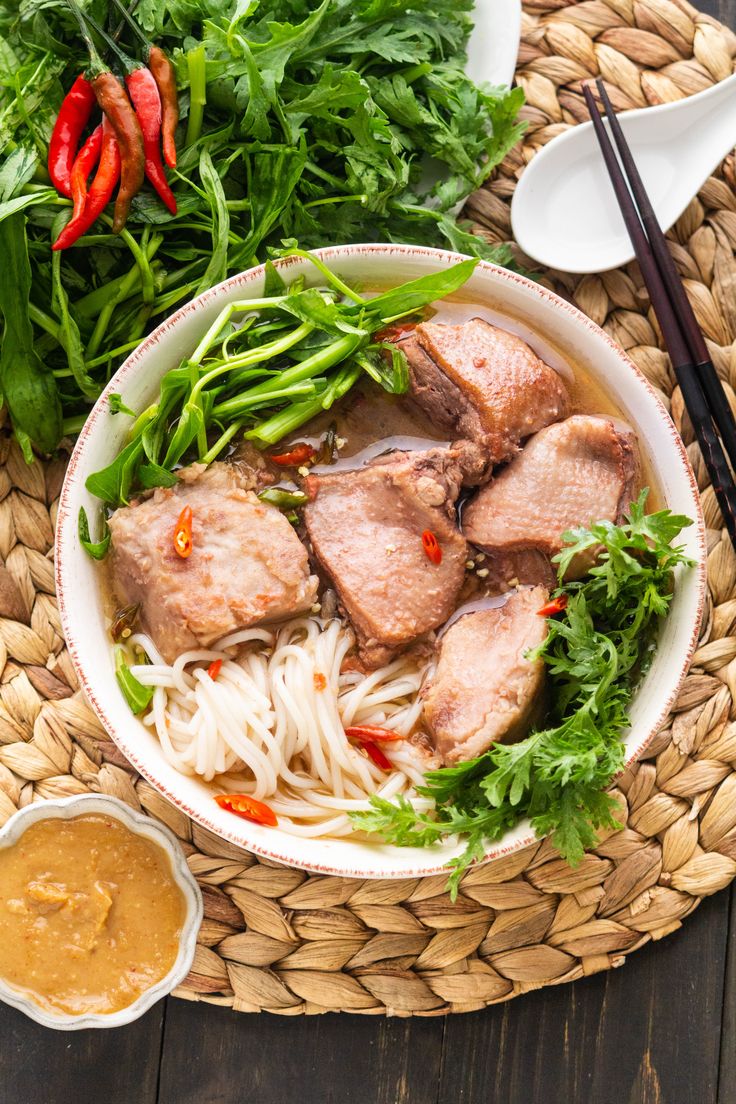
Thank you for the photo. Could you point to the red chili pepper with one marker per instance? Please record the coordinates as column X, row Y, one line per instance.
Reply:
column 165, row 77
column 395, row 331
column 296, row 456
column 68, row 128
column 144, row 93
column 84, row 162
column 183, row 543
column 320, row 681
column 114, row 103
column 100, row 193
column 374, row 752
column 214, row 668
column 557, row 605
column 371, row 734
column 431, row 547
column 248, row 808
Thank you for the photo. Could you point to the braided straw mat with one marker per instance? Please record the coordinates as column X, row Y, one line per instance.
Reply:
column 280, row 940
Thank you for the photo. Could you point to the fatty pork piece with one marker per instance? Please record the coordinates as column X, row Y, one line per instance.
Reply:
column 484, row 690
column 247, row 564
column 570, row 474
column 366, row 526
column 480, row 382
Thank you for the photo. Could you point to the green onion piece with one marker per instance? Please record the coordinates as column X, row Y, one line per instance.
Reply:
column 117, row 406
column 277, row 496
column 135, row 693
column 96, row 549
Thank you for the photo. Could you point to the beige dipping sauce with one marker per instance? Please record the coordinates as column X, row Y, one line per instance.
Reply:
column 90, row 914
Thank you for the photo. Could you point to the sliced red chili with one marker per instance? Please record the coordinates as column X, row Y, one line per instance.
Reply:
column 371, row 734
column 374, row 752
column 431, row 547
column 395, row 331
column 557, row 605
column 183, row 533
column 247, row 807
column 214, row 668
column 298, row 455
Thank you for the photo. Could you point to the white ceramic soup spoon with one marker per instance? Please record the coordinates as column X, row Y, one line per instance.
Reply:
column 564, row 213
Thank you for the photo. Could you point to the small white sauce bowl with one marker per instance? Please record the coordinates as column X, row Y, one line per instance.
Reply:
column 84, row 805
column 547, row 322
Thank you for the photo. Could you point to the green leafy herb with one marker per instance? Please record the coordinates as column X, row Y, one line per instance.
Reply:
column 135, row 693
column 26, row 384
column 96, row 549
column 264, row 368
column 596, row 653
column 340, row 121
column 117, row 406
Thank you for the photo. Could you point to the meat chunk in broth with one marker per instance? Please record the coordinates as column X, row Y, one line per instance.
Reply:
column 247, row 564
column 570, row 474
column 477, row 381
column 484, row 689
column 366, row 529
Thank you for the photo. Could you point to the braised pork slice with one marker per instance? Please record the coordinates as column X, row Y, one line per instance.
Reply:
column 525, row 567
column 569, row 474
column 477, row 381
column 366, row 527
column 484, row 690
column 247, row 564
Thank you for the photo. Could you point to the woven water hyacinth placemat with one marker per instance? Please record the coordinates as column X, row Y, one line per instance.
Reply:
column 284, row 941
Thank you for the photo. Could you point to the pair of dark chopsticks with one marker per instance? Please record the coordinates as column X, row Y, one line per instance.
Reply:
column 702, row 391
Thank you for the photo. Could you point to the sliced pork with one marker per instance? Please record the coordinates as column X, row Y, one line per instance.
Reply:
column 484, row 689
column 526, row 567
column 247, row 564
column 570, row 474
column 477, row 381
column 366, row 527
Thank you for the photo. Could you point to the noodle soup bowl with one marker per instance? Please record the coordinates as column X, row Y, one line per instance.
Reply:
column 560, row 333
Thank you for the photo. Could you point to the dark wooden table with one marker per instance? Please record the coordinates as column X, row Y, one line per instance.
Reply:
column 660, row 1030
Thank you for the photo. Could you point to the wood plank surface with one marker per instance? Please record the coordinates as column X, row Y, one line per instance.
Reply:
column 40, row 1066
column 645, row 1034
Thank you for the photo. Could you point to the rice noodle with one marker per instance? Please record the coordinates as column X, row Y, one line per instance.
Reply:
column 272, row 723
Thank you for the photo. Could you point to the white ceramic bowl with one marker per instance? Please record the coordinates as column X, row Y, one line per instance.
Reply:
column 542, row 313
column 83, row 804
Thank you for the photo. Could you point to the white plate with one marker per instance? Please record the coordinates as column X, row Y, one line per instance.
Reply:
column 494, row 43
column 77, row 577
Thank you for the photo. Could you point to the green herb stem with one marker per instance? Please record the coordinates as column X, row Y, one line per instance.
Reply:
column 197, row 71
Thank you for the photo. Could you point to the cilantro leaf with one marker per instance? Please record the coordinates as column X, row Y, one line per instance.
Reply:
column 596, row 653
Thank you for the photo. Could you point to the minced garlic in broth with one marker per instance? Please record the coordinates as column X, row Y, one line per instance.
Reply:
column 90, row 914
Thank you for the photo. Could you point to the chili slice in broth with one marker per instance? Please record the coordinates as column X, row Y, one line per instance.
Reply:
column 431, row 547
column 247, row 807
column 372, row 734
column 557, row 605
column 183, row 543
column 374, row 752
column 300, row 454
